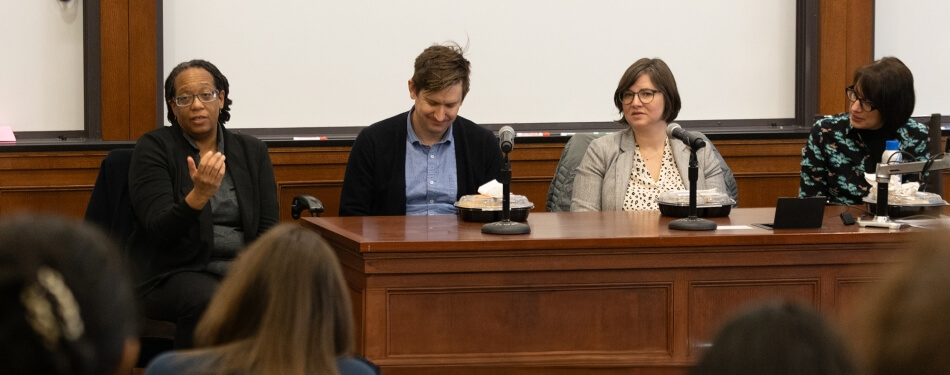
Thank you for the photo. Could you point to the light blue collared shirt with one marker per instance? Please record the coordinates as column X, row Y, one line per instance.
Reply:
column 431, row 174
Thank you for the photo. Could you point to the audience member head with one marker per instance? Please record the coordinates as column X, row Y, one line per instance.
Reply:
column 886, row 86
column 283, row 307
column 906, row 327
column 440, row 67
column 66, row 302
column 222, row 101
column 776, row 338
column 662, row 78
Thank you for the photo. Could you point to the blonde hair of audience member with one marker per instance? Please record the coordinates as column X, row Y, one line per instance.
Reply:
column 776, row 338
column 905, row 327
column 282, row 309
column 66, row 302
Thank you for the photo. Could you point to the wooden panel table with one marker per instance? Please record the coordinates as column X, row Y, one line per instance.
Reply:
column 584, row 293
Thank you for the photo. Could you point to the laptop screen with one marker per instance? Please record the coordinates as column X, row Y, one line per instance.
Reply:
column 799, row 213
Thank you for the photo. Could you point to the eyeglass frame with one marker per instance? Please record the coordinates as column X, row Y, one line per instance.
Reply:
column 639, row 94
column 866, row 104
column 191, row 98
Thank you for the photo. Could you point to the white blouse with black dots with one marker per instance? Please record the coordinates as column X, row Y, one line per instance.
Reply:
column 642, row 191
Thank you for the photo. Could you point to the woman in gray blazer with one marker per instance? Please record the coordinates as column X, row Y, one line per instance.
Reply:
column 628, row 169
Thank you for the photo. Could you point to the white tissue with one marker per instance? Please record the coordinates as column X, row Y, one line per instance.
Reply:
column 907, row 188
column 895, row 187
column 492, row 188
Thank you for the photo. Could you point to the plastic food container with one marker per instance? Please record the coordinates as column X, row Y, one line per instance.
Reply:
column 486, row 209
column 709, row 203
column 901, row 205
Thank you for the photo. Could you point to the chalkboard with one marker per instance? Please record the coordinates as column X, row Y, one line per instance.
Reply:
column 317, row 63
column 41, row 80
column 916, row 32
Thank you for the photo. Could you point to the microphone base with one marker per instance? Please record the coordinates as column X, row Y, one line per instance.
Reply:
column 506, row 227
column 879, row 222
column 692, row 223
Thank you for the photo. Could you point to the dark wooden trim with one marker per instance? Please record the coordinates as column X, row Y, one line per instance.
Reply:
column 873, row 6
column 92, row 77
column 159, row 64
column 807, row 61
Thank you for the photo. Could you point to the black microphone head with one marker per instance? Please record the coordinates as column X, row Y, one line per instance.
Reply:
column 506, row 138
column 671, row 127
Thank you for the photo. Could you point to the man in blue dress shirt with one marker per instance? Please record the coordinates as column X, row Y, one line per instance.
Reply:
column 422, row 161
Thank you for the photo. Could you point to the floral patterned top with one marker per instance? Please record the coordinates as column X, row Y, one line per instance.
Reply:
column 642, row 191
column 836, row 157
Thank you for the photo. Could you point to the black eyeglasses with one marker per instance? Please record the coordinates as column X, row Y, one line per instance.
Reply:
column 646, row 96
column 187, row 100
column 866, row 105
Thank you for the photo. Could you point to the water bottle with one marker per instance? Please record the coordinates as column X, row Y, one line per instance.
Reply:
column 892, row 154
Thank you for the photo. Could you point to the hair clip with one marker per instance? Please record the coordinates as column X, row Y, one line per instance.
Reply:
column 39, row 310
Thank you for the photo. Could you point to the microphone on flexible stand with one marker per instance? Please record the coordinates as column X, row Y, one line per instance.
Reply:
column 506, row 140
column 693, row 222
column 676, row 131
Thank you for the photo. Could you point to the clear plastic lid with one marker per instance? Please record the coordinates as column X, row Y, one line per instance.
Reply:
column 918, row 198
column 489, row 203
column 704, row 198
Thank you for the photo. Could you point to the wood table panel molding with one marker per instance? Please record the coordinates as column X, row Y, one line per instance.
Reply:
column 602, row 292
column 621, row 321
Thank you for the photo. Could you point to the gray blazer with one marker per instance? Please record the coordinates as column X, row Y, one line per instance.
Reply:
column 601, row 179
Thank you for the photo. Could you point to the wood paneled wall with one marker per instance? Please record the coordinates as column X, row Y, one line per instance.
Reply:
column 62, row 182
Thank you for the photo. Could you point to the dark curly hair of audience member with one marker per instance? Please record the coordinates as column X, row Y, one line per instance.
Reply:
column 776, row 338
column 66, row 303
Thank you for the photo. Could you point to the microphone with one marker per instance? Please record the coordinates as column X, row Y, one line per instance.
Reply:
column 691, row 140
column 506, row 138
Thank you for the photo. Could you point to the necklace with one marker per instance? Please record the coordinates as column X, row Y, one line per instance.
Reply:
column 652, row 156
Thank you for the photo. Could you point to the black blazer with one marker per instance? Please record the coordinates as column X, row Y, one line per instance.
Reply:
column 375, row 180
column 168, row 235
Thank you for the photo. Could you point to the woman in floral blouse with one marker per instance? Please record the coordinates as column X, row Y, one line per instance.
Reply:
column 842, row 148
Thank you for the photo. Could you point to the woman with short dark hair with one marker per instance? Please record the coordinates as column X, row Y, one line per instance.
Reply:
column 194, row 211
column 842, row 148
column 627, row 170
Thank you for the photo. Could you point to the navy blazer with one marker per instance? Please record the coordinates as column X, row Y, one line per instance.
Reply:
column 375, row 180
